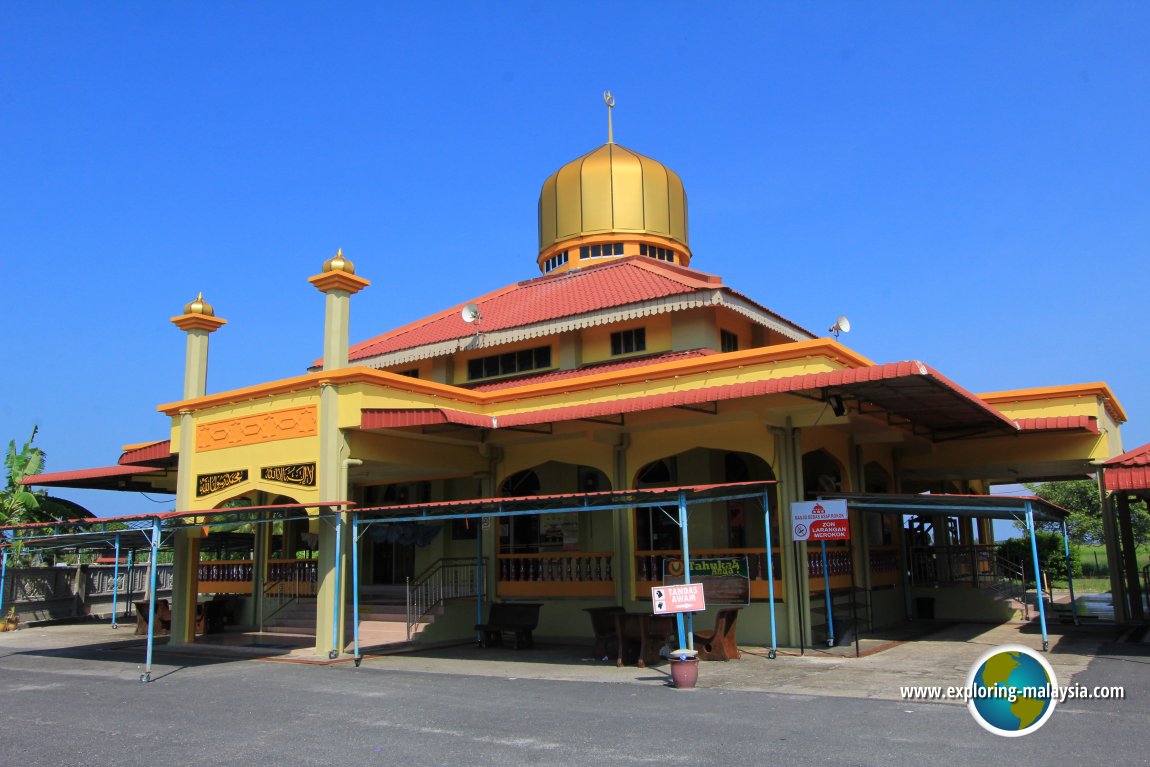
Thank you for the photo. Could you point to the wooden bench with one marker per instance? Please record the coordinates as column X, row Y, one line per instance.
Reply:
column 143, row 616
column 719, row 643
column 640, row 636
column 603, row 629
column 518, row 618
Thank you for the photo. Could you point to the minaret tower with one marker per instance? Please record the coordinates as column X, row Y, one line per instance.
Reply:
column 338, row 282
column 199, row 321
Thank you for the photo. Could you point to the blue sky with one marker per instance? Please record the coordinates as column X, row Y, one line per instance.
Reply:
column 968, row 182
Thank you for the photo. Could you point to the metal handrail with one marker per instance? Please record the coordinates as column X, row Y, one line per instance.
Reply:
column 1010, row 581
column 296, row 578
column 448, row 578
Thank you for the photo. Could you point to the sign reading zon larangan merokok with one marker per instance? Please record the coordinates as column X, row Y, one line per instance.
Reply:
column 820, row 521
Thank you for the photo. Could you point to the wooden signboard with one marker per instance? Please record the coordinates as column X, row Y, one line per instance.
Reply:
column 726, row 580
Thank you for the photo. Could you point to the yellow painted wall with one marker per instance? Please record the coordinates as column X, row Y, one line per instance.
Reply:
column 744, row 435
column 252, row 457
column 1026, row 448
column 580, row 452
column 737, row 324
column 395, row 449
column 597, row 340
column 1051, row 408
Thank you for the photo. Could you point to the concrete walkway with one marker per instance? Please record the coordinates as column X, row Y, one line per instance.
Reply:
column 942, row 658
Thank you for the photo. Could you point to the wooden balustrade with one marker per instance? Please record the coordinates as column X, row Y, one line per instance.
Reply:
column 557, row 574
column 234, row 576
column 885, row 569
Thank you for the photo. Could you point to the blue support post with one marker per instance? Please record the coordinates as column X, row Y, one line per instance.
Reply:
column 355, row 584
column 128, row 577
column 687, row 635
column 333, row 653
column 152, row 617
column 1037, row 575
column 1069, row 573
column 827, row 592
column 479, row 575
column 116, row 585
column 3, row 575
column 770, row 574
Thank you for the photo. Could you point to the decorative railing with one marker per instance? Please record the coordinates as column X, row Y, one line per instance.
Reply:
column 885, row 567
column 297, row 576
column 561, row 573
column 649, row 568
column 952, row 565
column 838, row 563
column 232, row 576
column 451, row 578
column 43, row 593
column 103, row 580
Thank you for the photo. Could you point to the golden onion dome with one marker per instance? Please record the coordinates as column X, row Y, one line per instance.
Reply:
column 338, row 263
column 612, row 190
column 200, row 306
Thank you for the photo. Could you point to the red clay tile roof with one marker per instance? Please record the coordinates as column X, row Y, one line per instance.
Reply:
column 1062, row 423
column 104, row 477
column 157, row 452
column 552, row 297
column 1129, row 471
column 909, row 389
column 605, row 367
column 1139, row 456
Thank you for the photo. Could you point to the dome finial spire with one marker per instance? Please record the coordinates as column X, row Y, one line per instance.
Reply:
column 609, row 100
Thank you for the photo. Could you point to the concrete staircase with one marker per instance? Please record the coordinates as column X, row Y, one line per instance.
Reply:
column 382, row 617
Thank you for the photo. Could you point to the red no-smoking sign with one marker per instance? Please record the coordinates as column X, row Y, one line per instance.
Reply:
column 820, row 521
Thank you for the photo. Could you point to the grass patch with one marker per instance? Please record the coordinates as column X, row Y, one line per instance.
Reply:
column 1095, row 578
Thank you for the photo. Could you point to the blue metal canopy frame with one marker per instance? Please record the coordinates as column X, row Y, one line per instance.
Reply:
column 106, row 531
column 1025, row 508
column 610, row 500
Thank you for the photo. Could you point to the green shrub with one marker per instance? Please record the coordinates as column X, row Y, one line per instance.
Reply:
column 1051, row 555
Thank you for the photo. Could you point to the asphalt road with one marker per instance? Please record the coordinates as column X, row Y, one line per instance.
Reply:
column 81, row 707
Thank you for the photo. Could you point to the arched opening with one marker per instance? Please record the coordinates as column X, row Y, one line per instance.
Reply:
column 656, row 529
column 565, row 554
column 821, row 474
column 880, row 527
column 389, row 549
column 248, row 568
column 539, row 533
column 716, row 530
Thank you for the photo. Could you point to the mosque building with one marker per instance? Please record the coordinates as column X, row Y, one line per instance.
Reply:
column 621, row 366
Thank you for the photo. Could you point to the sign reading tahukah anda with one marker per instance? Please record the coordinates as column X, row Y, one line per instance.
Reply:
column 726, row 580
column 291, row 474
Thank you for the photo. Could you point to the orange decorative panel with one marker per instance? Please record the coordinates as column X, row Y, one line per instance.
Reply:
column 254, row 429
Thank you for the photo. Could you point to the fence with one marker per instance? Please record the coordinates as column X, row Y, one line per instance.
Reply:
column 42, row 594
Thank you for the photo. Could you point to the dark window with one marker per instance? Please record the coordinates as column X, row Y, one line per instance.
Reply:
column 663, row 254
column 728, row 341
column 413, row 373
column 509, row 363
column 603, row 250
column 555, row 261
column 629, row 341
column 656, row 529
